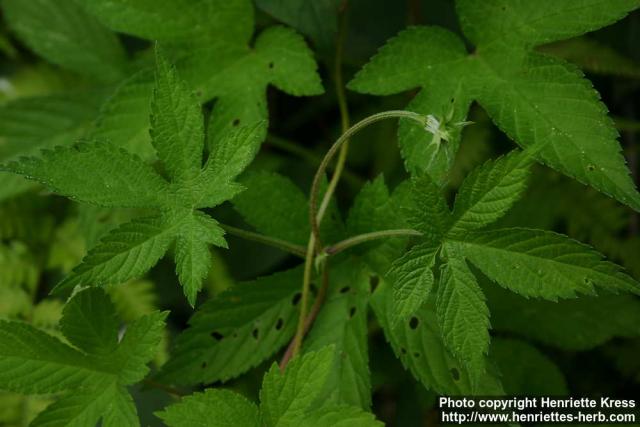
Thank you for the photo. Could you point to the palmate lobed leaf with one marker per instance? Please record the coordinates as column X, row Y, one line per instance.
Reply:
column 93, row 373
column 294, row 397
column 216, row 61
column 533, row 263
column 251, row 320
column 533, row 98
column 119, row 179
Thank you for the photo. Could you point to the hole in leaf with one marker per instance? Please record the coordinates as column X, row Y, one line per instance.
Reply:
column 279, row 324
column 591, row 168
column 217, row 335
column 255, row 333
column 296, row 298
column 414, row 322
column 235, row 122
column 352, row 312
column 271, row 65
column 204, row 365
column 373, row 282
column 455, row 374
column 403, row 350
column 416, row 354
column 345, row 290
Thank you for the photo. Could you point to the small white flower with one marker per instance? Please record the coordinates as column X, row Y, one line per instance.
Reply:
column 435, row 127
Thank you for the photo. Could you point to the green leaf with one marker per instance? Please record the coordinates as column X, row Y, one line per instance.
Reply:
column 192, row 256
column 433, row 59
column 462, row 314
column 125, row 253
column 63, row 33
column 576, row 324
column 489, row 192
column 552, row 105
column 35, row 362
column 238, row 77
column 124, row 117
column 412, row 278
column 215, row 59
column 117, row 178
column 525, row 370
column 427, row 210
column 543, row 264
column 274, row 206
column 289, row 396
column 418, row 344
column 93, row 329
column 215, row 408
column 177, row 130
column 94, row 376
column 251, row 321
column 138, row 347
column 83, row 409
column 342, row 324
column 175, row 19
column 229, row 156
column 61, row 120
column 340, row 416
column 537, row 100
column 374, row 209
column 291, row 64
column 536, row 23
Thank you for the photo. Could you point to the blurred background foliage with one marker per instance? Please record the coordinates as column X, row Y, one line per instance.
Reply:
column 42, row 236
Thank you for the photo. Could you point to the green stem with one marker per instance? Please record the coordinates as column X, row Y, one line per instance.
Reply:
column 310, row 157
column 362, row 238
column 313, row 211
column 304, row 300
column 291, row 248
column 315, row 227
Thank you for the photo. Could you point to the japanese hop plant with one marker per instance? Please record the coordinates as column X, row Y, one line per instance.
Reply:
column 140, row 152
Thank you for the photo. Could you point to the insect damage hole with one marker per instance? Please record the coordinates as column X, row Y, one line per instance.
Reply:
column 352, row 312
column 345, row 290
column 373, row 282
column 296, row 298
column 414, row 322
column 217, row 335
column 255, row 333
column 235, row 122
column 455, row 374
column 279, row 324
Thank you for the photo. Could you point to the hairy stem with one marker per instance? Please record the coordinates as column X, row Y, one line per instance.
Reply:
column 315, row 227
column 313, row 211
column 304, row 300
column 310, row 318
column 311, row 157
column 289, row 247
column 367, row 237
